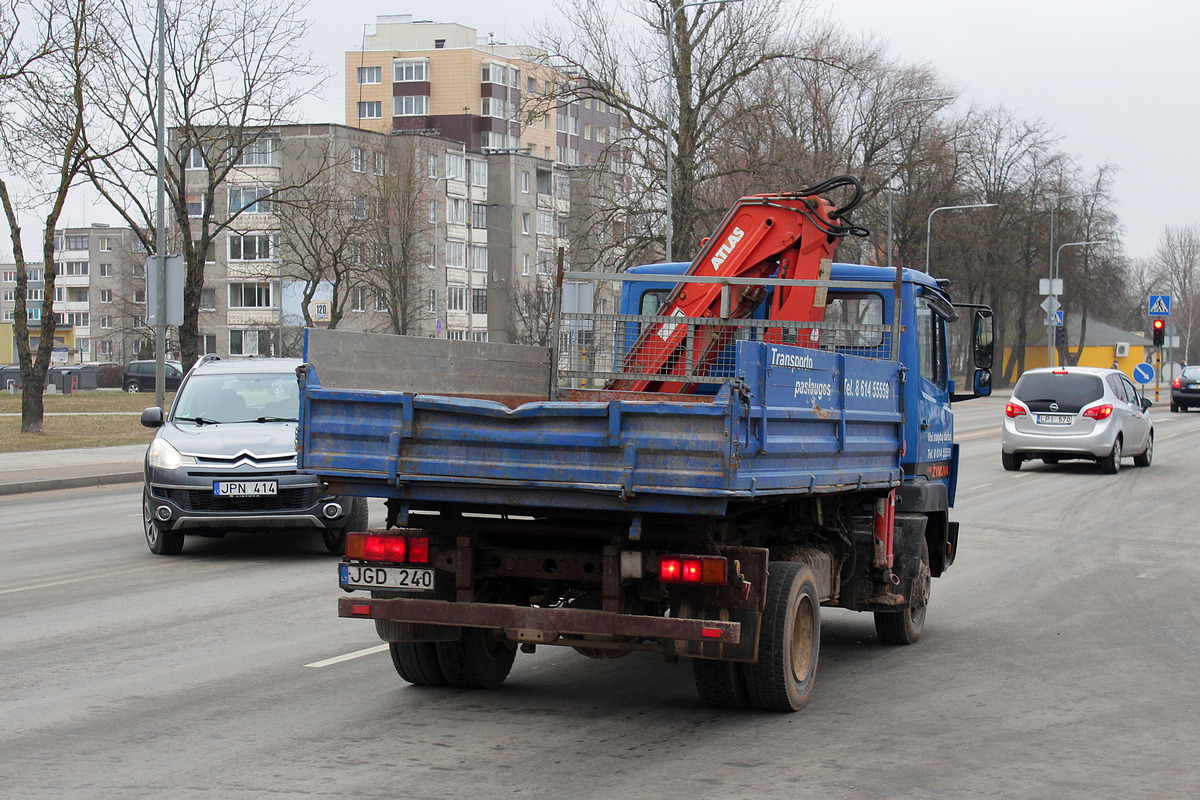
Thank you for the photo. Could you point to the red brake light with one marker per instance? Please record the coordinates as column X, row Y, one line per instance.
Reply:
column 1099, row 412
column 1013, row 410
column 669, row 570
column 692, row 569
column 1177, row 383
column 418, row 550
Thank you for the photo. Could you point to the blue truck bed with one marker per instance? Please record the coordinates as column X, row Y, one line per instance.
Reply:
column 793, row 421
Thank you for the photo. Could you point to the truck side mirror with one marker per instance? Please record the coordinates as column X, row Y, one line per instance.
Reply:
column 984, row 340
column 983, row 383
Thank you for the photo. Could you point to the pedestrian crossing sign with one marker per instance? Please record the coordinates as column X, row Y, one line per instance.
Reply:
column 1160, row 305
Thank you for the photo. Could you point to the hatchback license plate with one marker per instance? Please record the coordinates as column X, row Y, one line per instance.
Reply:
column 365, row 576
column 1055, row 419
column 245, row 488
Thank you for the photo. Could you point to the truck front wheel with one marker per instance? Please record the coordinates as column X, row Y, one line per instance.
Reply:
column 417, row 663
column 790, row 640
column 477, row 660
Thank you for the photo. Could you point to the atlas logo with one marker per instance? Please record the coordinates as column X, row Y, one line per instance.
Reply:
column 724, row 250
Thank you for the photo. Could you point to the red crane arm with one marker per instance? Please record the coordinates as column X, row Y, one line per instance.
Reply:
column 789, row 236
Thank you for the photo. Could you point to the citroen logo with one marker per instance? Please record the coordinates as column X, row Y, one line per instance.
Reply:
column 1054, row 406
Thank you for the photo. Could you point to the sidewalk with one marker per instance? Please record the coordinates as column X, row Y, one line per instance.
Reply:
column 43, row 470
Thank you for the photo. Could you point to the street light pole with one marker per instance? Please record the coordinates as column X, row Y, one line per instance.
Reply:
column 671, row 113
column 892, row 156
column 929, row 221
column 1053, row 207
column 1057, row 257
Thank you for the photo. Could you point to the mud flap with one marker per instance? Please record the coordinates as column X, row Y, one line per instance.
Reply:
column 745, row 650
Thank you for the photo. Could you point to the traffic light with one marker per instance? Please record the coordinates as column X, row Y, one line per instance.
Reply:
column 1060, row 336
column 1158, row 325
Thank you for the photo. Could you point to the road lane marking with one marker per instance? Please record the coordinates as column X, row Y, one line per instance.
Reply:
column 1021, row 475
column 329, row 662
column 980, row 486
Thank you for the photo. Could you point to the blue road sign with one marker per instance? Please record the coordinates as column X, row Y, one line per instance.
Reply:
column 1143, row 373
column 1058, row 318
column 1160, row 305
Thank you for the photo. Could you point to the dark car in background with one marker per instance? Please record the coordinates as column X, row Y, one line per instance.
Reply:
column 224, row 460
column 1185, row 389
column 139, row 376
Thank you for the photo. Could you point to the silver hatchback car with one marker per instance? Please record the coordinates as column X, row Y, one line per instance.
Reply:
column 1077, row 413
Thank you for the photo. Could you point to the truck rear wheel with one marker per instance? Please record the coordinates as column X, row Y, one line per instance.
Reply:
column 790, row 640
column 477, row 660
column 417, row 663
column 720, row 683
column 905, row 627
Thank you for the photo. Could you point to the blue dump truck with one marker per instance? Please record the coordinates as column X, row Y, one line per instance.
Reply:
column 705, row 506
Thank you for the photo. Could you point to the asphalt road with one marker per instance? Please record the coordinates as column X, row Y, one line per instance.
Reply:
column 1060, row 659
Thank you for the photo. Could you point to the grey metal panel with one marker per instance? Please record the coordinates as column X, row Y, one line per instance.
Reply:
column 387, row 362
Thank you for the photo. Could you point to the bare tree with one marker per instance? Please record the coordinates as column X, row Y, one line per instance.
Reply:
column 237, row 69
column 1177, row 262
column 45, row 86
column 704, row 57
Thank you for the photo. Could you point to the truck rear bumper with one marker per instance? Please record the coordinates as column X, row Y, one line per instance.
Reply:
column 540, row 625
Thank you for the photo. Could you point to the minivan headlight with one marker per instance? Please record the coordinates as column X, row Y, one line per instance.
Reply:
column 163, row 456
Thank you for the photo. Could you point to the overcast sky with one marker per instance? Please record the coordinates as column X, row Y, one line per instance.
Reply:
column 1117, row 81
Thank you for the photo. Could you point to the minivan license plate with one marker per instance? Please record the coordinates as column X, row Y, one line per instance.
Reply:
column 365, row 576
column 1055, row 419
column 245, row 488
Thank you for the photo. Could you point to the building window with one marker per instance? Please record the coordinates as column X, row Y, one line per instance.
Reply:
column 370, row 75
column 195, row 205
column 210, row 343
column 249, row 199
column 73, row 241
column 105, row 244
column 494, row 107
column 208, row 299
column 106, row 270
column 83, row 344
column 73, row 269
column 370, row 109
column 479, row 173
column 456, row 298
column 139, row 296
column 358, row 300
column 106, row 295
column 410, row 70
column 381, row 301
column 433, row 301
column 546, row 226
column 249, row 343
column 479, row 258
column 456, row 335
column 210, row 256
column 410, row 105
column 250, row 247
column 258, row 153
column 380, row 163
column 106, row 322
column 358, row 159
column 456, row 211
column 525, row 222
column 106, row 348
column 456, row 254
column 479, row 301
column 195, row 159
column 456, row 166
column 525, row 264
column 524, row 183
column 250, row 295
column 77, row 296
column 545, row 262
column 479, row 216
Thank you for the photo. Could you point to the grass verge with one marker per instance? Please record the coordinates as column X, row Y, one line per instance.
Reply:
column 95, row 419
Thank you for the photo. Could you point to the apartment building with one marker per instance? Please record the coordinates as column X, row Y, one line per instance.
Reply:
column 99, row 294
column 445, row 78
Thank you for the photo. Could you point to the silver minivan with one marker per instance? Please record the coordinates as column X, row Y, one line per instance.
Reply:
column 1076, row 413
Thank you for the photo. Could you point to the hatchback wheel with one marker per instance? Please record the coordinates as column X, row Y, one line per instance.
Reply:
column 1143, row 459
column 1174, row 408
column 1011, row 461
column 1110, row 463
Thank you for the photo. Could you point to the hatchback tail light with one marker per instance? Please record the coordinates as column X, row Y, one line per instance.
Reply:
column 1013, row 410
column 1099, row 412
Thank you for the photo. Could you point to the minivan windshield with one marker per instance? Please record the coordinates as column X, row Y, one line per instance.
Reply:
column 1070, row 392
column 209, row 399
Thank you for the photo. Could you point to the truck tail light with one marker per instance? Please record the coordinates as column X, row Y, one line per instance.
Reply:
column 1099, row 412
column 692, row 569
column 1013, row 410
column 393, row 548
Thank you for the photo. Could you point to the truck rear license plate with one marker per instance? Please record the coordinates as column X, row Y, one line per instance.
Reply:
column 245, row 488
column 1055, row 419
column 365, row 576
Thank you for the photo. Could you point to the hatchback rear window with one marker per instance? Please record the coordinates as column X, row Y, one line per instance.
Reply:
column 1071, row 392
column 1191, row 374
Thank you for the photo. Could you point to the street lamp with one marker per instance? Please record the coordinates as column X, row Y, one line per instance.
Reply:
column 1057, row 256
column 671, row 111
column 1053, row 269
column 929, row 221
column 892, row 154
